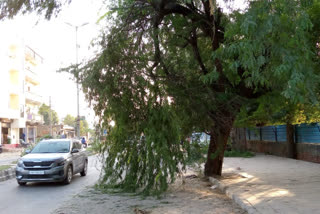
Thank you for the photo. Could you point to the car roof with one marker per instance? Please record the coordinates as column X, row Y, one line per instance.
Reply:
column 50, row 140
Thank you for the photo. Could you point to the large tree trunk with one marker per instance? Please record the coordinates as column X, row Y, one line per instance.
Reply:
column 218, row 142
column 291, row 147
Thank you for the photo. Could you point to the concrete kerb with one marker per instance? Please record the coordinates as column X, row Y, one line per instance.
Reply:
column 8, row 174
column 244, row 204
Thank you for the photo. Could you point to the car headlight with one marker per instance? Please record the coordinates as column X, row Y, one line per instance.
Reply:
column 61, row 163
column 20, row 163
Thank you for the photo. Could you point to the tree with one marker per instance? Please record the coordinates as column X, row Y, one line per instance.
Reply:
column 69, row 120
column 45, row 110
column 167, row 68
column 210, row 65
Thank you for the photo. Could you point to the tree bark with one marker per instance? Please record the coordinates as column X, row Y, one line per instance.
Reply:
column 218, row 142
column 291, row 147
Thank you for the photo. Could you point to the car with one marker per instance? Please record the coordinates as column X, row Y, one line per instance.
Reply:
column 54, row 160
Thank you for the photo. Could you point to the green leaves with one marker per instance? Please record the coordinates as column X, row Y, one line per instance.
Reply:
column 271, row 43
column 260, row 61
column 210, row 78
column 144, row 161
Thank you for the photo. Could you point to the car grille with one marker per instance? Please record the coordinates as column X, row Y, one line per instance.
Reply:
column 35, row 176
column 43, row 163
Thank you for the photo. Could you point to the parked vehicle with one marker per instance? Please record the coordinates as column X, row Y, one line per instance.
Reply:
column 54, row 160
column 23, row 144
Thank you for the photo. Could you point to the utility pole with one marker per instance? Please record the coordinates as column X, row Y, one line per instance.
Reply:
column 77, row 46
column 50, row 116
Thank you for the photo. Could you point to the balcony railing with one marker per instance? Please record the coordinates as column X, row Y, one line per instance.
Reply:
column 32, row 77
column 35, row 118
column 32, row 56
column 33, row 98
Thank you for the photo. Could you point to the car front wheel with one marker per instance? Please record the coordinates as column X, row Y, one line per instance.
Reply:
column 22, row 183
column 69, row 175
column 85, row 169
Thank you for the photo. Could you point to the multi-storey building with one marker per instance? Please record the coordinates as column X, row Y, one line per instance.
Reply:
column 19, row 93
column 33, row 100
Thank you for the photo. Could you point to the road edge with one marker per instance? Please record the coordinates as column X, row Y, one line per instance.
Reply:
column 244, row 204
column 8, row 174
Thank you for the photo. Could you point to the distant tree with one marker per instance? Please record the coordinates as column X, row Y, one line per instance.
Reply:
column 84, row 127
column 45, row 110
column 69, row 120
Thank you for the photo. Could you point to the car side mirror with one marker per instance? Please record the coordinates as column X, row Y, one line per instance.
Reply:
column 27, row 151
column 75, row 150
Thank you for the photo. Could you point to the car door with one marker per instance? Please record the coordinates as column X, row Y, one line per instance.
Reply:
column 82, row 156
column 76, row 157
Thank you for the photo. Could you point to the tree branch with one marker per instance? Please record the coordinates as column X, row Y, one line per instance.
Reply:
column 194, row 44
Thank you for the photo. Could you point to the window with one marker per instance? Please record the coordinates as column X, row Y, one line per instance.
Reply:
column 14, row 102
column 77, row 145
column 52, row 147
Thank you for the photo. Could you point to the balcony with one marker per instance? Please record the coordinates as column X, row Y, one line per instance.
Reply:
column 33, row 98
column 32, row 77
column 34, row 118
column 32, row 57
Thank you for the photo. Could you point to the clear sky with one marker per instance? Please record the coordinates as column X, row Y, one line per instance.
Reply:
column 55, row 42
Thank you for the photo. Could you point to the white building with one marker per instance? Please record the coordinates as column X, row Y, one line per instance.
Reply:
column 19, row 92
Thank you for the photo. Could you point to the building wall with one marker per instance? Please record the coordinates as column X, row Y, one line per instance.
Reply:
column 15, row 59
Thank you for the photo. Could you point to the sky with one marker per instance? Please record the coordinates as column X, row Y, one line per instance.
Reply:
column 55, row 41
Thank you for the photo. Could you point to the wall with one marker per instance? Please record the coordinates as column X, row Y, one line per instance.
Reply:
column 268, row 147
column 272, row 140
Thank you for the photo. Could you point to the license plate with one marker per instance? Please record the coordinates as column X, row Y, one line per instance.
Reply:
column 36, row 172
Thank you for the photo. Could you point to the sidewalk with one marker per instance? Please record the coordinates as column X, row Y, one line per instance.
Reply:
column 268, row 184
column 7, row 158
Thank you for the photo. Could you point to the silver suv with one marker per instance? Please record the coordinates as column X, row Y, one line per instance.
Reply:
column 52, row 161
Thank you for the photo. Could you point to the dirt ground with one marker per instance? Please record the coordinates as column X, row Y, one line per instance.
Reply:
column 191, row 194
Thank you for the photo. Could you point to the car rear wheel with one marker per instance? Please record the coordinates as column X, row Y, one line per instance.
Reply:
column 85, row 169
column 69, row 175
column 22, row 183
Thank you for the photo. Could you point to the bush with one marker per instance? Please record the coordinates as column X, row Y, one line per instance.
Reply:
column 196, row 152
column 235, row 153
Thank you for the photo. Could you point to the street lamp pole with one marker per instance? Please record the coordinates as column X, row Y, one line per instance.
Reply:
column 77, row 46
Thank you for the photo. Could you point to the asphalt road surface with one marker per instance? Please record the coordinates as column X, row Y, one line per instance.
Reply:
column 43, row 198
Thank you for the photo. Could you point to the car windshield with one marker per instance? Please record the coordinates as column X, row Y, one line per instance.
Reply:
column 52, row 147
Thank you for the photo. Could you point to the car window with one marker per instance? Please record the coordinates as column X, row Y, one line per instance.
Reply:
column 52, row 147
column 76, row 145
column 80, row 145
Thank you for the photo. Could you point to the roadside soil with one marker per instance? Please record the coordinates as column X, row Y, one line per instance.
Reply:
column 190, row 194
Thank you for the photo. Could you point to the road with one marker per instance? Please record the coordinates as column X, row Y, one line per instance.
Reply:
column 43, row 198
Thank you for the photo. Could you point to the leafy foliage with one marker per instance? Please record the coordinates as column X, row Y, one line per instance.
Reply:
column 145, row 163
column 265, row 56
column 45, row 111
column 168, row 68
column 235, row 153
column 10, row 8
column 71, row 121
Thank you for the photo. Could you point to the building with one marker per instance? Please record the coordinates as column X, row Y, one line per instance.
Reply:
column 33, row 100
column 57, row 131
column 19, row 93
